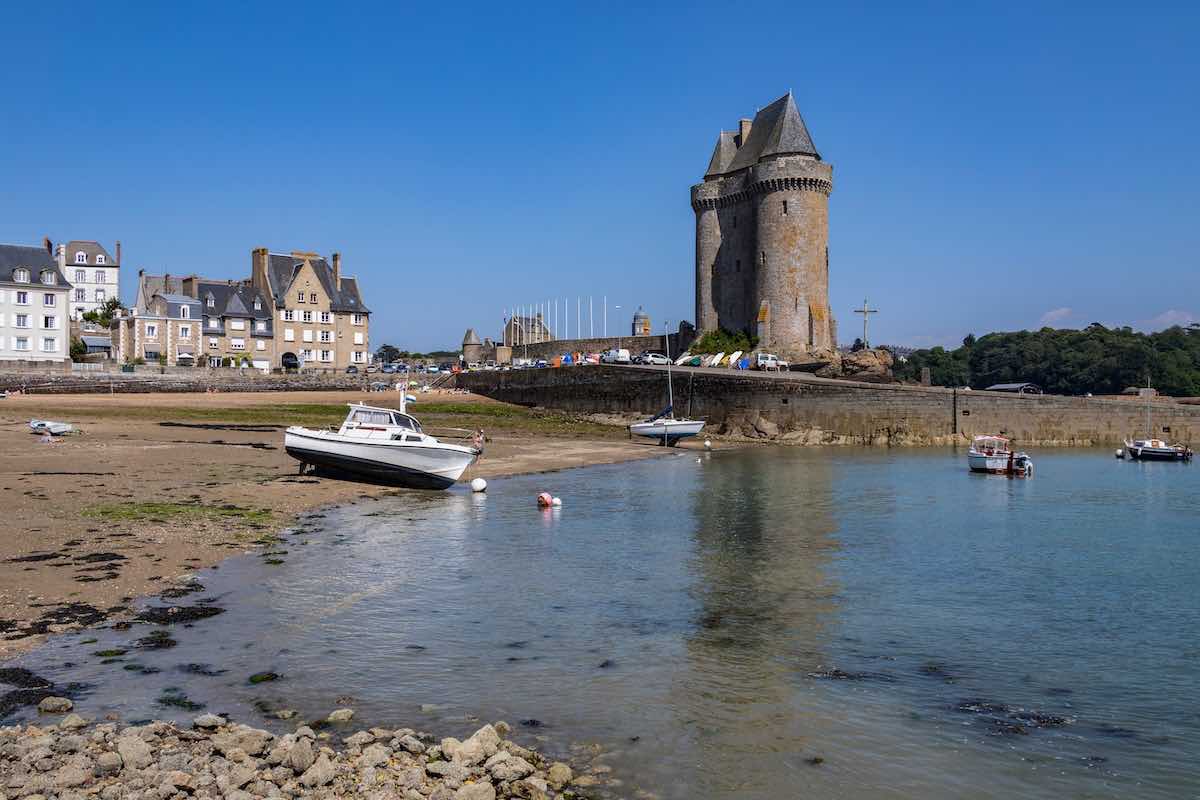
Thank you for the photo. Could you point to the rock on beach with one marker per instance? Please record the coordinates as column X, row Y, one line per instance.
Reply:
column 215, row 758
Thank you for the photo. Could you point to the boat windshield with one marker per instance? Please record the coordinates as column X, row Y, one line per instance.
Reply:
column 405, row 421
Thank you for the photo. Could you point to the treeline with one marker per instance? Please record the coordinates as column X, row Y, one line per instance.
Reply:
column 1096, row 359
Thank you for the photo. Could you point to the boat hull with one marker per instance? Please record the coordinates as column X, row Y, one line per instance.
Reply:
column 415, row 466
column 1156, row 453
column 996, row 464
column 668, row 430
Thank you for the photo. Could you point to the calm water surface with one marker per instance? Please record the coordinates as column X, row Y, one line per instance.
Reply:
column 718, row 623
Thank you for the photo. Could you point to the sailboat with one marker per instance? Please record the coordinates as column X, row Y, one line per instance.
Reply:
column 1152, row 448
column 663, row 425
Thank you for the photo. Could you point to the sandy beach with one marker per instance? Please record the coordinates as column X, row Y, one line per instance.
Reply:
column 157, row 485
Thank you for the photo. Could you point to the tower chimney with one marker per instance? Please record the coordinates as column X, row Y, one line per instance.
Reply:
column 743, row 131
column 118, row 252
column 337, row 271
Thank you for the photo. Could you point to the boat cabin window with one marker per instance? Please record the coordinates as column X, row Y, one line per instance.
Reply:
column 369, row 417
column 405, row 421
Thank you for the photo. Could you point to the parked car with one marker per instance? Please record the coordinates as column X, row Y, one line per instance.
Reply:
column 542, row 363
column 656, row 358
column 389, row 369
column 372, row 368
column 351, row 370
column 768, row 361
column 432, row 369
column 615, row 356
column 400, row 366
column 446, row 367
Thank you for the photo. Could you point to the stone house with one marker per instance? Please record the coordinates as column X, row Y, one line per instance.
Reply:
column 520, row 329
column 320, row 318
column 163, row 325
column 95, row 274
column 237, row 321
column 33, row 305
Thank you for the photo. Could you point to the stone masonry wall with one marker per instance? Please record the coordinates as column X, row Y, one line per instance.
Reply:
column 634, row 344
column 811, row 410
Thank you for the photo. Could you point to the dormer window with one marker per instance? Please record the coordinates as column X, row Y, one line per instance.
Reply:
column 21, row 275
column 185, row 312
column 211, row 301
column 99, row 258
column 257, row 304
column 81, row 257
column 49, row 278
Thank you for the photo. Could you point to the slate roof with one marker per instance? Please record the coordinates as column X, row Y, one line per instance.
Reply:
column 96, row 341
column 35, row 259
column 232, row 300
column 777, row 130
column 177, row 298
column 722, row 155
column 283, row 269
column 471, row 337
column 92, row 249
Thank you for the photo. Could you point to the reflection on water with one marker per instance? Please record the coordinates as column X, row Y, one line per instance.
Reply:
column 766, row 623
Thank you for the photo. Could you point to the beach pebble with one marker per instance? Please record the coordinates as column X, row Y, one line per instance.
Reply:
column 72, row 722
column 208, row 721
column 340, row 715
column 55, row 705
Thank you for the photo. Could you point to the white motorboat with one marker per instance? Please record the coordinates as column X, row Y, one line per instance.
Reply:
column 385, row 445
column 994, row 454
column 44, row 426
column 663, row 426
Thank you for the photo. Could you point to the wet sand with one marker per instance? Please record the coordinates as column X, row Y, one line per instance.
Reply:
column 158, row 485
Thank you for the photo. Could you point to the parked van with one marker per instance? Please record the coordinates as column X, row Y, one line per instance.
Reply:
column 615, row 356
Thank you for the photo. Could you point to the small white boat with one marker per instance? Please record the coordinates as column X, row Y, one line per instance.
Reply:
column 717, row 359
column 663, row 426
column 679, row 361
column 383, row 444
column 51, row 427
column 668, row 429
column 733, row 358
column 1156, row 450
column 994, row 455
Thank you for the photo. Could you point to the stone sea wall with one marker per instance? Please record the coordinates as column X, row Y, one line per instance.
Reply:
column 804, row 409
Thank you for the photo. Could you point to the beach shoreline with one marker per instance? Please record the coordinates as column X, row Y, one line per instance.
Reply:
column 158, row 486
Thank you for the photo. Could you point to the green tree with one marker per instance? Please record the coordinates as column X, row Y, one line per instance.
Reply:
column 78, row 349
column 104, row 315
column 388, row 353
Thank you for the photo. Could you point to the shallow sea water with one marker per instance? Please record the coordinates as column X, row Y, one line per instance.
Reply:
column 752, row 624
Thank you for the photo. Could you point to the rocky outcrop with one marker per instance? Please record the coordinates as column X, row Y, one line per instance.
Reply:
column 217, row 759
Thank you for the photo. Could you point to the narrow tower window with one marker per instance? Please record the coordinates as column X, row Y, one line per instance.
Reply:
column 738, row 265
column 785, row 208
column 764, row 256
column 735, row 220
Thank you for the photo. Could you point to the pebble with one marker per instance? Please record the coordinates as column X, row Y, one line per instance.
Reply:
column 55, row 705
column 340, row 715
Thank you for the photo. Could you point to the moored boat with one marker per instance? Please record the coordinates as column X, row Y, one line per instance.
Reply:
column 994, row 455
column 663, row 425
column 383, row 444
column 1156, row 450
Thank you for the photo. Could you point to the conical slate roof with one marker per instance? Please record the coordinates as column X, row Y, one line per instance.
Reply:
column 778, row 129
column 722, row 155
column 470, row 337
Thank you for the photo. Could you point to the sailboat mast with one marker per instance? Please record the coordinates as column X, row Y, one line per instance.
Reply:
column 667, row 347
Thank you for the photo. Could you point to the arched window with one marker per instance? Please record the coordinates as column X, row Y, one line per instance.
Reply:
column 212, row 303
column 99, row 258
column 48, row 277
column 81, row 257
column 21, row 275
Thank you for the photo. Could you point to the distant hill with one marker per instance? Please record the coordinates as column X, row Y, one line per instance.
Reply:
column 1096, row 359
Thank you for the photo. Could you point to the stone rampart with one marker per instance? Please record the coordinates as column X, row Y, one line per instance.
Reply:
column 190, row 380
column 805, row 409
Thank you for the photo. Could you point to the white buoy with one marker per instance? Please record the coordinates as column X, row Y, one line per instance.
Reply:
column 1120, row 453
column 708, row 444
column 478, row 485
column 556, row 502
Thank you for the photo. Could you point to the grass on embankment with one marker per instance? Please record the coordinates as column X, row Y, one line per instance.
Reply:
column 488, row 416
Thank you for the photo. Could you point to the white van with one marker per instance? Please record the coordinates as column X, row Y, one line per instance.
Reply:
column 615, row 356
column 768, row 361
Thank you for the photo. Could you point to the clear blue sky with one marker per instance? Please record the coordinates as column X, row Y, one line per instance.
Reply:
column 995, row 166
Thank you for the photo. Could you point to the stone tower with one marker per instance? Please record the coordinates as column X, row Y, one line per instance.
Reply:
column 762, row 235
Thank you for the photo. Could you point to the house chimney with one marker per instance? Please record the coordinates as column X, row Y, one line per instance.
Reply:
column 337, row 271
column 118, row 252
column 61, row 253
column 743, row 131
column 167, row 284
column 46, row 243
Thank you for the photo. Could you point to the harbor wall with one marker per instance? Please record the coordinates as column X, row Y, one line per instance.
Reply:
column 634, row 344
column 804, row 409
